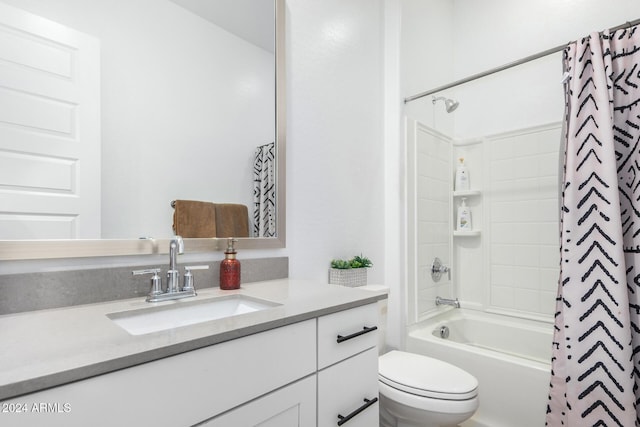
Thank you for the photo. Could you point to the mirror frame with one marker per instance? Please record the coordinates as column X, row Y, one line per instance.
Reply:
column 45, row 249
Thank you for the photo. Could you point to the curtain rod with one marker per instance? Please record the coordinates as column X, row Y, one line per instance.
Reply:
column 521, row 61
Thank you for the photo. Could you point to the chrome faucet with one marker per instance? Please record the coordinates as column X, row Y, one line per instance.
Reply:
column 446, row 301
column 176, row 246
column 173, row 291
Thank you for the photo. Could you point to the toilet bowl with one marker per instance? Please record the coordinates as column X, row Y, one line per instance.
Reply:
column 419, row 391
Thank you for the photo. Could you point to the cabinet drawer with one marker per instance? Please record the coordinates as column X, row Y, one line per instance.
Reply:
column 355, row 326
column 343, row 388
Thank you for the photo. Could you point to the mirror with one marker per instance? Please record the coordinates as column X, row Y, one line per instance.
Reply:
column 171, row 128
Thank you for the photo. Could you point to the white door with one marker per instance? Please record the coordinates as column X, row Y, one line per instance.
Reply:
column 49, row 129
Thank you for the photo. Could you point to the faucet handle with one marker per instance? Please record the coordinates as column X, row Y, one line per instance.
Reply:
column 146, row 271
column 189, row 282
column 197, row 267
column 156, row 280
column 438, row 269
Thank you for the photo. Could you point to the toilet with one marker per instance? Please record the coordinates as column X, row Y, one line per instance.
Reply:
column 419, row 391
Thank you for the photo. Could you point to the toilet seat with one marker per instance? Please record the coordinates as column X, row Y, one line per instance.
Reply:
column 426, row 377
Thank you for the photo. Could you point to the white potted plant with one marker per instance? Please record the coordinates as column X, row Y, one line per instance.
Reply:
column 352, row 272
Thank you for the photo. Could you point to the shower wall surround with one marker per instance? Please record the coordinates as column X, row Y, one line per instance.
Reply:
column 510, row 264
column 513, row 265
column 522, row 218
column 429, row 189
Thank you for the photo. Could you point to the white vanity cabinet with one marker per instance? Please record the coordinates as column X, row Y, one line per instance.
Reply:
column 348, row 368
column 317, row 372
column 181, row 390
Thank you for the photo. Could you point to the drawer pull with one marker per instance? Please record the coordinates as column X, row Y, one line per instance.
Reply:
column 367, row 403
column 357, row 334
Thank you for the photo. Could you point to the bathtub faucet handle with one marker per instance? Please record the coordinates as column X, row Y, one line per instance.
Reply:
column 438, row 269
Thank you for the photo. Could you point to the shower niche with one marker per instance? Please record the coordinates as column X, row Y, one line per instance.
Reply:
column 472, row 153
column 469, row 196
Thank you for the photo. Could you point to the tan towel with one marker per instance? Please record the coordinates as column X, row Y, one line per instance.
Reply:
column 232, row 220
column 192, row 218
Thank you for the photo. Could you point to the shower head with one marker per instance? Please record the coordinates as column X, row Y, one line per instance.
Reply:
column 449, row 104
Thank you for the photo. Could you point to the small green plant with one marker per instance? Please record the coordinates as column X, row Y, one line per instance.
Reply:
column 355, row 262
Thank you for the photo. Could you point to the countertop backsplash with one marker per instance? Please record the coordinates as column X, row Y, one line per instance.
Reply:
column 43, row 290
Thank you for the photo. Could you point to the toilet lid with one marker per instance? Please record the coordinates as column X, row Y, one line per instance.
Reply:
column 425, row 376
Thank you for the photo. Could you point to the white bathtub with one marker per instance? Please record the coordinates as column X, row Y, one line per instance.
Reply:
column 510, row 357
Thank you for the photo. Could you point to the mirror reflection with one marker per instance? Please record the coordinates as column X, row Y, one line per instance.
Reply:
column 125, row 106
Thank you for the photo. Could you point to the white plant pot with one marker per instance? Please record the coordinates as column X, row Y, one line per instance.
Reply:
column 351, row 277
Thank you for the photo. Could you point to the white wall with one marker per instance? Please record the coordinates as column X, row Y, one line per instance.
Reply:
column 445, row 40
column 426, row 59
column 335, row 165
column 344, row 171
column 489, row 33
column 184, row 104
column 530, row 94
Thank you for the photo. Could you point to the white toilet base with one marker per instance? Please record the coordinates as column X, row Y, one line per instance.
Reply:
column 386, row 419
column 394, row 414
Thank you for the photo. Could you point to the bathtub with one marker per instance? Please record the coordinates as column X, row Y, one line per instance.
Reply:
column 509, row 356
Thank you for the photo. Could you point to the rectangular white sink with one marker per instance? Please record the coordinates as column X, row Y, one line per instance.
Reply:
column 182, row 313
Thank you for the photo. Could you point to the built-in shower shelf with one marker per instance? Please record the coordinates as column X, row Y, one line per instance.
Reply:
column 472, row 233
column 466, row 193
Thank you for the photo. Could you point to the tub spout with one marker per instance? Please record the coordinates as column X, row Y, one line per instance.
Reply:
column 445, row 301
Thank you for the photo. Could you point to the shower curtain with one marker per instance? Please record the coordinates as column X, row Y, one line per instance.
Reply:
column 596, row 346
column 264, row 191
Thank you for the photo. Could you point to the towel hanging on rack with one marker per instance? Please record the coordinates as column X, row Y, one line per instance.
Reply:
column 232, row 220
column 193, row 218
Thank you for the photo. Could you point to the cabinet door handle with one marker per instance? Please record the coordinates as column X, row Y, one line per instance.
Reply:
column 367, row 403
column 357, row 334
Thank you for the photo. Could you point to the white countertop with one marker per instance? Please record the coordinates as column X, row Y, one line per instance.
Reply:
column 46, row 348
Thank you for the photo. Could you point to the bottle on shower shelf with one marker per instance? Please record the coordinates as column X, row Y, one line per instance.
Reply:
column 462, row 176
column 464, row 217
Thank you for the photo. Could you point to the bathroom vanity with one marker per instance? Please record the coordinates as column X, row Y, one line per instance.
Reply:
column 307, row 357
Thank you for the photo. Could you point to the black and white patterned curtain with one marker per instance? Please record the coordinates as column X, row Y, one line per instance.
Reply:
column 264, row 191
column 596, row 346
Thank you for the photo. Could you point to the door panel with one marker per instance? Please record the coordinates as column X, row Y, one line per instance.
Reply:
column 49, row 129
